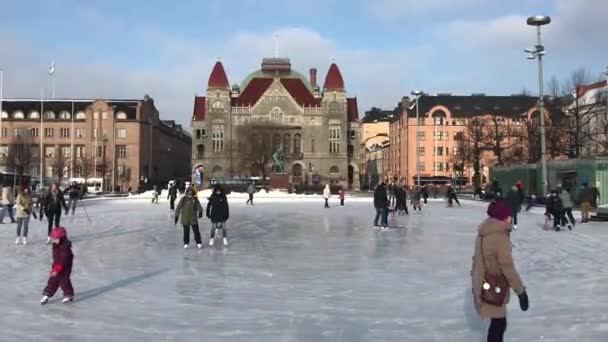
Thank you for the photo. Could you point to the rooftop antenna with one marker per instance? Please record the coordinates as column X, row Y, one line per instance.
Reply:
column 276, row 46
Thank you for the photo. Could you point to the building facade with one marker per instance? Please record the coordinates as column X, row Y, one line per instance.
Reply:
column 591, row 107
column 443, row 137
column 238, row 130
column 122, row 142
column 375, row 132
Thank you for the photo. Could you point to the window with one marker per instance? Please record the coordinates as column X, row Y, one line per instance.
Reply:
column 200, row 151
column 438, row 121
column 459, row 136
column 334, row 169
column 18, row 115
column 79, row 133
column 217, row 137
column 100, row 151
column 439, row 135
column 64, row 133
column 421, row 151
column 4, row 132
column 421, row 121
column 49, row 151
column 287, row 143
column 121, row 151
column 104, row 115
column 19, row 132
column 312, row 146
column 276, row 115
column 65, row 115
column 34, row 132
column 49, row 132
column 121, row 133
column 5, row 114
column 334, row 107
column 203, row 133
column 296, row 170
column 3, row 150
column 334, row 139
column 80, row 151
column 458, row 151
column 81, row 115
column 420, row 136
column 95, row 133
column 439, row 166
column 34, row 115
column 66, row 151
column 438, row 151
column 105, row 134
column 459, row 122
column 217, row 105
column 49, row 114
column 96, row 115
column 297, row 143
column 353, row 135
column 35, row 151
column 198, row 133
column 121, row 115
column 421, row 166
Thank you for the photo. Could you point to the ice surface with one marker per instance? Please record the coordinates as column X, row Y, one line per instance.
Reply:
column 297, row 272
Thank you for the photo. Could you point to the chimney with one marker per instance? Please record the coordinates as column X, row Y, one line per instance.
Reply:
column 313, row 77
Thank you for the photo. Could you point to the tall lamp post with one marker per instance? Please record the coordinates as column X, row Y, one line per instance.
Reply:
column 537, row 52
column 417, row 93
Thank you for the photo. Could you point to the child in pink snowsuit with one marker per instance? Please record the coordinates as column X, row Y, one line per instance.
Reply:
column 62, row 267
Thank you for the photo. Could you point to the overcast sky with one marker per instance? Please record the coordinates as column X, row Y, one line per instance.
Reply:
column 384, row 48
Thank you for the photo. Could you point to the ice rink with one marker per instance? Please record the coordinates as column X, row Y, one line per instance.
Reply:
column 297, row 272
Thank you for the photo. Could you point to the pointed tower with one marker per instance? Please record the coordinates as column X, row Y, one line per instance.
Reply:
column 333, row 80
column 218, row 89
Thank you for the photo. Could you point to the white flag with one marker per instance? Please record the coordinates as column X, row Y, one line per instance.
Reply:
column 52, row 68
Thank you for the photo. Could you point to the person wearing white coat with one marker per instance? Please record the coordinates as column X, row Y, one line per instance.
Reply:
column 326, row 193
column 8, row 200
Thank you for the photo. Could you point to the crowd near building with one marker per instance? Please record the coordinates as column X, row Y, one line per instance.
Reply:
column 237, row 130
column 120, row 144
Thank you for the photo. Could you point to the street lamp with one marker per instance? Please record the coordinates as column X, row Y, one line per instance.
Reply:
column 537, row 52
column 417, row 93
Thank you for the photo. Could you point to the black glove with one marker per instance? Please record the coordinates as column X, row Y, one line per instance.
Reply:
column 523, row 301
column 200, row 214
column 176, row 219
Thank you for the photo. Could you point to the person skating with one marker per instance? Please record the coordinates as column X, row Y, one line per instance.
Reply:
column 452, row 196
column 8, row 201
column 189, row 210
column 326, row 193
column 342, row 193
column 554, row 207
column 155, row 194
column 425, row 194
column 63, row 259
column 520, row 191
column 52, row 205
column 381, row 206
column 416, row 196
column 218, row 212
column 492, row 259
column 250, row 192
column 172, row 196
column 596, row 196
column 73, row 197
column 567, row 204
column 513, row 200
column 23, row 212
column 586, row 197
column 401, row 198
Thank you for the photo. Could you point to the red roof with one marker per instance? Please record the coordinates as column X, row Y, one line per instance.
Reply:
column 252, row 93
column 199, row 109
column 583, row 89
column 334, row 78
column 218, row 78
column 352, row 110
column 300, row 92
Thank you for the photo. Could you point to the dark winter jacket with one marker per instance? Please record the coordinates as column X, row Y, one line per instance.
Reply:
column 62, row 257
column 53, row 204
column 172, row 192
column 380, row 199
column 514, row 200
column 586, row 195
column 188, row 210
column 73, row 191
column 451, row 194
column 553, row 204
column 217, row 208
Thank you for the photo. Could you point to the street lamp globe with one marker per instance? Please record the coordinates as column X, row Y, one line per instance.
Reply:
column 417, row 92
column 539, row 20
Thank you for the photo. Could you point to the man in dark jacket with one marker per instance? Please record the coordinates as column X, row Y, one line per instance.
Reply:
column 218, row 212
column 586, row 199
column 52, row 205
column 514, row 202
column 172, row 196
column 554, row 207
column 381, row 205
column 73, row 197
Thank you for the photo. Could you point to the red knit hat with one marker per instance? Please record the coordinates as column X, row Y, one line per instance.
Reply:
column 499, row 210
column 58, row 233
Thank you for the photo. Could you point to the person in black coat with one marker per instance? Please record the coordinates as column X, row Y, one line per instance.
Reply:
column 52, row 204
column 218, row 212
column 381, row 205
column 401, row 196
column 172, row 196
column 74, row 196
column 514, row 202
column 555, row 208
column 451, row 194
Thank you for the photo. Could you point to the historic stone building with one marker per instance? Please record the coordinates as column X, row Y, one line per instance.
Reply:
column 317, row 128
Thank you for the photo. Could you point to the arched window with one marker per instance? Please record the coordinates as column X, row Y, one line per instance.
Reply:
column 81, row 115
column 276, row 115
column 334, row 170
column 49, row 114
column 439, row 118
column 121, row 115
column 296, row 170
column 200, row 151
column 334, row 107
column 217, row 172
column 297, row 143
column 5, row 115
column 217, row 105
column 65, row 115
column 17, row 115
column 287, row 143
column 350, row 151
column 34, row 115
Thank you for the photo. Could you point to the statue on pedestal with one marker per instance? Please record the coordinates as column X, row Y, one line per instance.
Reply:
column 278, row 161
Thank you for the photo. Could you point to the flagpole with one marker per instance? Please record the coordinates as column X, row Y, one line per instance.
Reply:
column 41, row 135
column 52, row 75
column 72, row 147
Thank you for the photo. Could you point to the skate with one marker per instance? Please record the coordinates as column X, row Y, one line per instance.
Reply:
column 211, row 242
column 199, row 245
column 569, row 227
column 225, row 241
column 44, row 300
column 514, row 227
column 48, row 240
column 67, row 300
column 557, row 229
column 376, row 227
column 185, row 246
column 18, row 240
column 24, row 241
column 384, row 227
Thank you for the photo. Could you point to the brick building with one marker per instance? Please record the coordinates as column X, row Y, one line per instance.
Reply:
column 122, row 142
column 276, row 107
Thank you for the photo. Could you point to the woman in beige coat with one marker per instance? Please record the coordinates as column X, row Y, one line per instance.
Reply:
column 496, row 259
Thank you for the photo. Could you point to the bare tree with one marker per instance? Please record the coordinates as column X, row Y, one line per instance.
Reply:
column 20, row 157
column 473, row 146
column 60, row 164
column 497, row 138
column 256, row 144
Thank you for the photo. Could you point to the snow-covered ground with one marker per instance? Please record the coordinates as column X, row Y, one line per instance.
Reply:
column 297, row 272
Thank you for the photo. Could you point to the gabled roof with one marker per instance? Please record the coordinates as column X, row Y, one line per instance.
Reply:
column 352, row 109
column 333, row 80
column 591, row 94
column 252, row 93
column 218, row 78
column 300, row 92
column 200, row 109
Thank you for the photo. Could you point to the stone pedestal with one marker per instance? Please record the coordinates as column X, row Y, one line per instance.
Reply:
column 279, row 181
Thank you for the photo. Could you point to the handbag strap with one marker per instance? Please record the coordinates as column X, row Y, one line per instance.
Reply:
column 483, row 259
